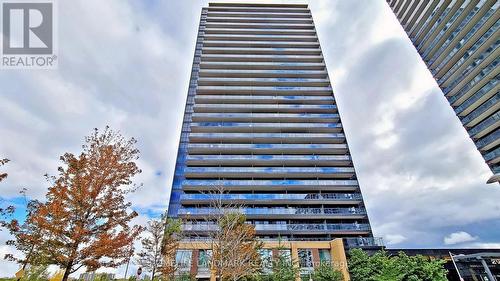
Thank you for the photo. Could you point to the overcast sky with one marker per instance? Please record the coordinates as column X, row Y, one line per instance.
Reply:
column 127, row 64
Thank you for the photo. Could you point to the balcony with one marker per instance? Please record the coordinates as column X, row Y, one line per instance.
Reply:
column 266, row 185
column 257, row 25
column 364, row 242
column 280, row 213
column 268, row 160
column 257, row 14
column 249, row 9
column 258, row 31
column 259, row 82
column 234, row 127
column 242, row 20
column 265, row 138
column 228, row 99
column 262, row 65
column 280, row 108
column 260, row 37
column 266, row 117
column 264, row 90
column 328, row 149
column 264, row 198
column 262, row 51
column 269, row 172
column 340, row 228
column 252, row 9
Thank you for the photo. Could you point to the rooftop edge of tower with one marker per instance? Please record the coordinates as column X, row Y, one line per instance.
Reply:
column 250, row 5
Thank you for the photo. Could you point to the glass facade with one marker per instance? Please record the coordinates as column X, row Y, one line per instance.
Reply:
column 262, row 130
column 458, row 40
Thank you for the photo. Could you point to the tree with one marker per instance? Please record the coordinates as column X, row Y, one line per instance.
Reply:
column 326, row 272
column 382, row 267
column 232, row 242
column 151, row 257
column 234, row 247
column 27, row 236
column 36, row 273
column 169, row 244
column 7, row 211
column 85, row 219
column 283, row 269
column 3, row 162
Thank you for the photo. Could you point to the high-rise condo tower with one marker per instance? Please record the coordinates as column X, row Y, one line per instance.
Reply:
column 458, row 40
column 261, row 125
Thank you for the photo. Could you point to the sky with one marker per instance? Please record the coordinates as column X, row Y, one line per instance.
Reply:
column 126, row 64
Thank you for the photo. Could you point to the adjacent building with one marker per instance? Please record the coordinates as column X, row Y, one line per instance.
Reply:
column 458, row 40
column 262, row 130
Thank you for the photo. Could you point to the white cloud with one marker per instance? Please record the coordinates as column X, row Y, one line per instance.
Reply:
column 458, row 238
column 392, row 239
column 127, row 64
column 485, row 245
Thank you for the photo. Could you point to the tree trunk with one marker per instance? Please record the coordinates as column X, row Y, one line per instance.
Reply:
column 67, row 271
column 153, row 274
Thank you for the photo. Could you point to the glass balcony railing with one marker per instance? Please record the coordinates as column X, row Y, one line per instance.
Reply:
column 327, row 117
column 245, row 73
column 480, row 110
column 260, row 37
column 478, row 95
column 260, row 80
column 268, row 31
column 255, row 197
column 271, row 183
column 259, row 20
column 264, row 107
column 264, row 13
column 259, row 51
column 492, row 155
column 236, row 125
column 268, row 158
column 361, row 242
column 340, row 227
column 263, row 65
column 204, row 211
column 267, row 137
column 265, row 90
column 493, row 119
column 290, row 172
column 489, row 139
column 264, row 99
column 260, row 25
column 215, row 148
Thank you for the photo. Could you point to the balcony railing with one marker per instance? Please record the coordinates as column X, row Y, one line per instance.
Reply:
column 266, row 137
column 270, row 117
column 300, row 197
column 275, row 211
column 264, row 127
column 306, row 160
column 270, row 172
column 265, row 108
column 214, row 148
column 339, row 227
column 360, row 242
column 203, row 184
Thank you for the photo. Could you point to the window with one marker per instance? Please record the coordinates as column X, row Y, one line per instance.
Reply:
column 324, row 256
column 204, row 259
column 305, row 258
column 183, row 259
column 266, row 257
column 286, row 254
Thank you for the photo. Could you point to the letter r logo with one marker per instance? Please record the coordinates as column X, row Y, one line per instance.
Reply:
column 27, row 28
